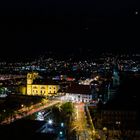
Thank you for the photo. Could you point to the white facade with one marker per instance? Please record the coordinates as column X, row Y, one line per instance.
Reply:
column 78, row 97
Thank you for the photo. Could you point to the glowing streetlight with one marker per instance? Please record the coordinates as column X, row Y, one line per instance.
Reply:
column 76, row 111
column 104, row 129
column 50, row 121
column 60, row 132
column 62, row 124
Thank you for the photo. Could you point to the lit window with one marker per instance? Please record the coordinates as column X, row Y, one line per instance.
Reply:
column 42, row 87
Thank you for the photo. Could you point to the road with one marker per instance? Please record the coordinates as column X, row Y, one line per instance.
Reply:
column 24, row 112
column 80, row 123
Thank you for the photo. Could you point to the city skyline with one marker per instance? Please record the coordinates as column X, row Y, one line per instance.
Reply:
column 59, row 98
column 70, row 70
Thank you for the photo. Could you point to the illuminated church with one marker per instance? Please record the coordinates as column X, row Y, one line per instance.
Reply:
column 39, row 86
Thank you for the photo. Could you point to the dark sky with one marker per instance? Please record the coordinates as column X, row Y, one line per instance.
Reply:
column 31, row 27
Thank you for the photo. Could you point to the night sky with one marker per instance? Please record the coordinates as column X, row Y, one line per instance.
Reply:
column 32, row 27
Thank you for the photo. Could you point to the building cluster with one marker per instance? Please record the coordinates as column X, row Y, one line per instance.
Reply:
column 57, row 75
column 94, row 82
column 100, row 75
column 128, row 63
column 86, row 67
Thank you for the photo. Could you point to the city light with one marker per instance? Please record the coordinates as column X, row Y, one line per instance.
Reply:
column 91, row 89
column 62, row 124
column 50, row 121
column 40, row 116
column 60, row 132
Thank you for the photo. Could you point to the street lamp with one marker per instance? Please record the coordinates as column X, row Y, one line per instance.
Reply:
column 60, row 132
column 50, row 121
column 62, row 124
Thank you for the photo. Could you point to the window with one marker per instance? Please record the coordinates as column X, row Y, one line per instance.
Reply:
column 42, row 87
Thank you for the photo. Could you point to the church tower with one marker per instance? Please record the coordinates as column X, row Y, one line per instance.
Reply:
column 30, row 78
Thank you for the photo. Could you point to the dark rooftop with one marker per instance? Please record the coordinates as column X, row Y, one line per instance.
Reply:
column 127, row 97
column 44, row 82
column 25, row 129
column 79, row 89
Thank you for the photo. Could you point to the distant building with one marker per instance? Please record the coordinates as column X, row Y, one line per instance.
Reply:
column 79, row 93
column 39, row 86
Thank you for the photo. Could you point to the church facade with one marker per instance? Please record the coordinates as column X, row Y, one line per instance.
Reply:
column 39, row 88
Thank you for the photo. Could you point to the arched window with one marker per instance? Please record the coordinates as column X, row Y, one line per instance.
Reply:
column 34, row 87
column 42, row 87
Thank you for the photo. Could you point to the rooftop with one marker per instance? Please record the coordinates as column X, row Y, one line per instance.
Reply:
column 42, row 81
column 79, row 89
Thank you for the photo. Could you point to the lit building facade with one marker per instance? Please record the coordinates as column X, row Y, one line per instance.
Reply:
column 75, row 97
column 40, row 88
column 79, row 93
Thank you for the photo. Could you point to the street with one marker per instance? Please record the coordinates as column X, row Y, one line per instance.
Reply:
column 24, row 112
column 80, row 123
